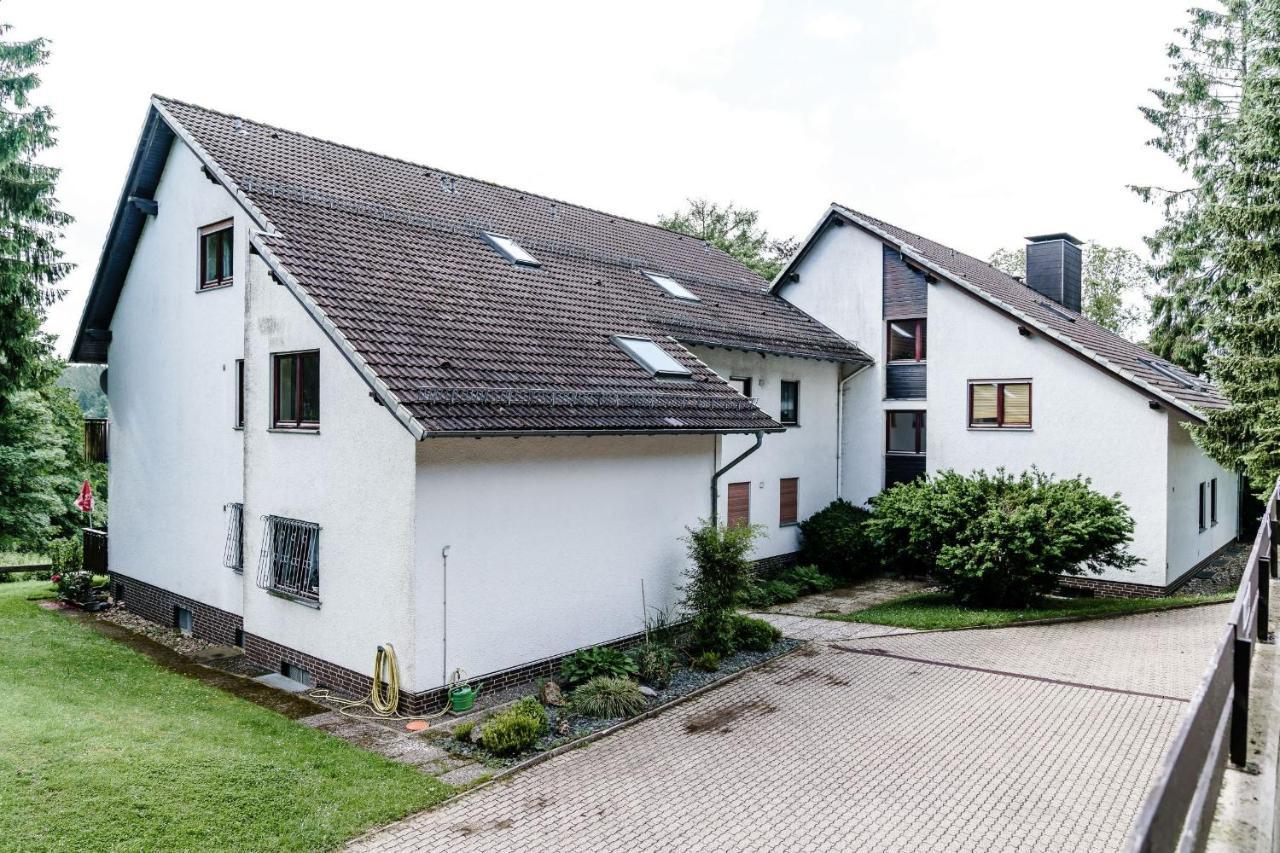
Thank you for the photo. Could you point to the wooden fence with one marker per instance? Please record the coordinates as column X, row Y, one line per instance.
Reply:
column 95, row 550
column 1179, row 807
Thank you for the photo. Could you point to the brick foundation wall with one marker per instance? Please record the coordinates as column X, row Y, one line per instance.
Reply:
column 767, row 567
column 157, row 605
column 1114, row 589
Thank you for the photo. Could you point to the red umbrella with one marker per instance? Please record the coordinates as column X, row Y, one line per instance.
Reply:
column 84, row 502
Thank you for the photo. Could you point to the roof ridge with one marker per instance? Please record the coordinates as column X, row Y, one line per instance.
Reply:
column 418, row 165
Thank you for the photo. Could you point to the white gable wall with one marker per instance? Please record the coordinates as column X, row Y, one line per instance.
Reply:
column 841, row 285
column 355, row 478
column 1083, row 420
column 548, row 542
column 175, row 457
column 1188, row 468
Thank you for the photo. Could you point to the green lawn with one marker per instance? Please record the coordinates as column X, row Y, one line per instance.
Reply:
column 19, row 558
column 931, row 610
column 100, row 748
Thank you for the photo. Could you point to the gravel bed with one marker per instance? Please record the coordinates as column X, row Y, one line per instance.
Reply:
column 565, row 726
column 1224, row 572
column 180, row 643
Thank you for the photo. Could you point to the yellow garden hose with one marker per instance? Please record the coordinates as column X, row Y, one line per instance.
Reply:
column 378, row 704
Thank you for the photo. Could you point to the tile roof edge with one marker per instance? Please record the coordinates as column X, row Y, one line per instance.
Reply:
column 981, row 293
column 162, row 99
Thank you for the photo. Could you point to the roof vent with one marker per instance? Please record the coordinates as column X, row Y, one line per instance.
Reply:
column 1053, row 268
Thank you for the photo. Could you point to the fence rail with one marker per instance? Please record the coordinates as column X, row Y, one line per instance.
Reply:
column 95, row 550
column 1178, row 810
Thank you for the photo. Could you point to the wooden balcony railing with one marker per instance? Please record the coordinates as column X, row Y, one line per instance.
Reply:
column 96, row 439
column 95, row 550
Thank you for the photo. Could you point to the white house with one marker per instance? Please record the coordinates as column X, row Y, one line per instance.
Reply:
column 357, row 400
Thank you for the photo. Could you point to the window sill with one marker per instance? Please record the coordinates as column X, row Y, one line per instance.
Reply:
column 788, row 524
column 909, row 454
column 296, row 599
column 1000, row 429
column 222, row 285
column 296, row 430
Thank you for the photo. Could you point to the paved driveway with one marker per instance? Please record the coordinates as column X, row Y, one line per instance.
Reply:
column 1009, row 739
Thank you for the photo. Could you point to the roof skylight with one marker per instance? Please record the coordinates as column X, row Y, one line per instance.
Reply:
column 1055, row 310
column 651, row 357
column 670, row 285
column 511, row 249
column 1170, row 374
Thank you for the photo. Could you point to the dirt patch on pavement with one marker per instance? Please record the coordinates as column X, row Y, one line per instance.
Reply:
column 722, row 719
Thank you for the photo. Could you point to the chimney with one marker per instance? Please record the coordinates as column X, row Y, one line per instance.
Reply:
column 1053, row 268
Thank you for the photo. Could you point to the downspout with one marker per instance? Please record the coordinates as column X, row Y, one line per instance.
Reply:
column 715, row 478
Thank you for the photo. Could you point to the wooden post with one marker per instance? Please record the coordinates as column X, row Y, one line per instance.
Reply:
column 1263, row 631
column 1241, row 653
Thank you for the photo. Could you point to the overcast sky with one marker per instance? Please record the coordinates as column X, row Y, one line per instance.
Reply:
column 975, row 123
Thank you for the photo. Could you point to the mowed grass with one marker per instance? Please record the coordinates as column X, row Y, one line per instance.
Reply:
column 934, row 610
column 21, row 558
column 100, row 748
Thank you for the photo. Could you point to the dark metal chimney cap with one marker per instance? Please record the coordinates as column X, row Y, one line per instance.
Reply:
column 1061, row 235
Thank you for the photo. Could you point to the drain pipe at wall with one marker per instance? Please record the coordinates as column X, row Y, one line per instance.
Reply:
column 444, row 615
column 715, row 478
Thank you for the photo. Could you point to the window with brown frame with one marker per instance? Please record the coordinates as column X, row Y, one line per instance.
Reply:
column 1000, row 405
column 907, row 340
column 789, row 408
column 788, row 500
column 216, row 255
column 904, row 432
column 739, row 504
column 296, row 390
column 239, row 393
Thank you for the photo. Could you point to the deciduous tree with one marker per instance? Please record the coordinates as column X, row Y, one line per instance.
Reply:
column 735, row 230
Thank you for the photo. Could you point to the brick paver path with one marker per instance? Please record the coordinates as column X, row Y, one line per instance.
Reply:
column 1030, row 738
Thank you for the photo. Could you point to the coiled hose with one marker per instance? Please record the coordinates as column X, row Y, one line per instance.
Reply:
column 378, row 704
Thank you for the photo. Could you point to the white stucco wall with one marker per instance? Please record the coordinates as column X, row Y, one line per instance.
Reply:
column 175, row 455
column 1083, row 421
column 548, row 540
column 355, row 478
column 841, row 285
column 806, row 451
column 1188, row 468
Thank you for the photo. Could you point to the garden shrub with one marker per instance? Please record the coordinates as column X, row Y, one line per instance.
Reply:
column 755, row 635
column 515, row 729
column 1000, row 540
column 462, row 731
column 835, row 540
column 766, row 593
column 720, row 577
column 584, row 665
column 65, row 555
column 655, row 663
column 707, row 662
column 605, row 698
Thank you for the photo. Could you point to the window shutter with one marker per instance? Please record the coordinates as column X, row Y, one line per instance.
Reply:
column 788, row 500
column 1017, row 405
column 739, row 504
column 982, row 404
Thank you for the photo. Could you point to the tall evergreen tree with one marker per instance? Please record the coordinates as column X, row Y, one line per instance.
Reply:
column 30, row 222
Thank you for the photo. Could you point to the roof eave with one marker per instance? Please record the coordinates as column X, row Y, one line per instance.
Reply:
column 513, row 433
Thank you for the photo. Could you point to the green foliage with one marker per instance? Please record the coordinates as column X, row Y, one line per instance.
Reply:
column 462, row 731
column 706, row 661
column 589, row 663
column 36, row 485
column 85, row 382
column 607, row 698
column 766, row 593
column 655, row 663
column 66, row 555
column 755, row 635
column 1246, row 435
column 515, row 729
column 30, row 223
column 808, row 579
column 74, row 586
column 1109, row 274
column 734, row 230
column 835, row 540
column 719, row 578
column 999, row 539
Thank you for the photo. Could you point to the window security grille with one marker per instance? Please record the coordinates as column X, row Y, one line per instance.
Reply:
column 289, row 562
column 233, row 552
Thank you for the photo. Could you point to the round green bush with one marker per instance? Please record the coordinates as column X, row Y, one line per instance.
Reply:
column 655, row 663
column 607, row 698
column 835, row 540
column 755, row 635
column 509, row 734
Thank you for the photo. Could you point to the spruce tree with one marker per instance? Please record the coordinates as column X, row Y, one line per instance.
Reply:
column 31, row 224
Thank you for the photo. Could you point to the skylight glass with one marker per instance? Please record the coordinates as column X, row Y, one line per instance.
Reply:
column 511, row 249
column 670, row 285
column 1169, row 373
column 1054, row 309
column 651, row 357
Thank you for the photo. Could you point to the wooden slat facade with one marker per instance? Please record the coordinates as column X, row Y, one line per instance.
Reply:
column 788, row 500
column 902, row 468
column 905, row 292
column 739, row 504
column 905, row 381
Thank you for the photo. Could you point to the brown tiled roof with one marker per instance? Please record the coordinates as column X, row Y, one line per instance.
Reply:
column 393, row 254
column 1111, row 351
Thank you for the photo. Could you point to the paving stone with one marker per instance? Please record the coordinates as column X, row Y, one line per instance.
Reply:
column 1034, row 738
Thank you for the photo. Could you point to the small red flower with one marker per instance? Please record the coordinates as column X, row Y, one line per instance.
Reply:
column 56, row 578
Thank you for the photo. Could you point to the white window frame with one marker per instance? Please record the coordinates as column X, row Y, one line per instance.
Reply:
column 510, row 249
column 671, row 286
column 650, row 355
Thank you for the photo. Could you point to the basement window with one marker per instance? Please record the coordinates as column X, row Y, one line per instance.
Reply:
column 183, row 620
column 670, row 285
column 302, row 675
column 510, row 249
column 652, row 358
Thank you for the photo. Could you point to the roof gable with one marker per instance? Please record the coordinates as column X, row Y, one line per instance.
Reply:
column 1114, row 354
column 393, row 255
